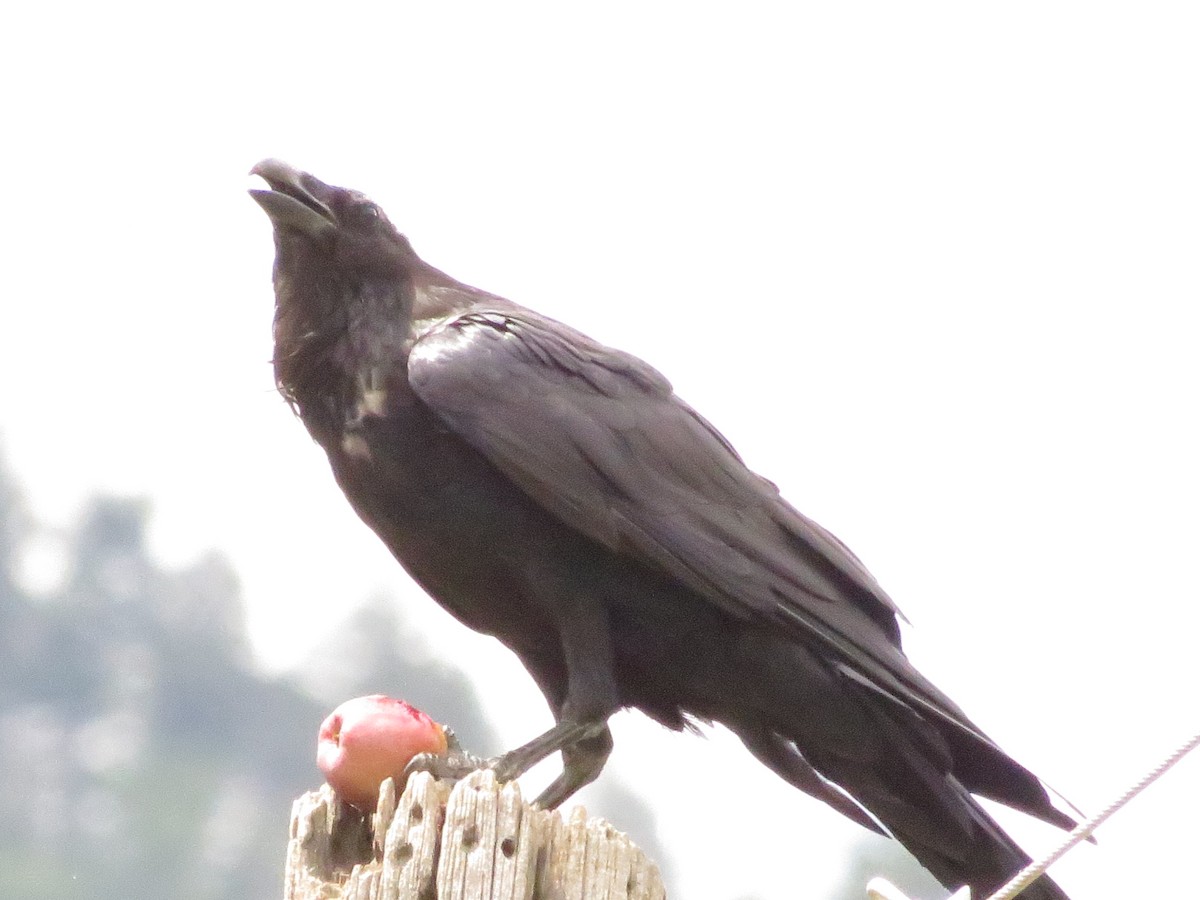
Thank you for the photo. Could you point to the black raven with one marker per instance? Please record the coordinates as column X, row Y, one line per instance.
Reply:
column 556, row 494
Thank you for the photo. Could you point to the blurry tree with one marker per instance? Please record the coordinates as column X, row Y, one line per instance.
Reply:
column 143, row 754
column 13, row 527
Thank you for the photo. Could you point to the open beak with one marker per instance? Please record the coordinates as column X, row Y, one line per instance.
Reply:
column 293, row 200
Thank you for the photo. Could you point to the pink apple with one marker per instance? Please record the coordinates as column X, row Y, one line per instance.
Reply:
column 368, row 739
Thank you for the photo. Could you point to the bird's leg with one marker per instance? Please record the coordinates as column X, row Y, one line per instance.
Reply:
column 565, row 735
column 582, row 763
column 585, row 747
column 580, row 687
column 584, row 702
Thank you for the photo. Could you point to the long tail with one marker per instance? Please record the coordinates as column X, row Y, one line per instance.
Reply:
column 919, row 788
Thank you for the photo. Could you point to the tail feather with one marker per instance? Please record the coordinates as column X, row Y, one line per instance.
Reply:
column 919, row 787
column 928, row 806
column 983, row 856
column 986, row 770
column 780, row 755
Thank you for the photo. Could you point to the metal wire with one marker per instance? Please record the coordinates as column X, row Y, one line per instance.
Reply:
column 1034, row 870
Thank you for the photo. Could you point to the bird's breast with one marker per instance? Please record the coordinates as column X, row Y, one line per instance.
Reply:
column 375, row 395
column 445, row 514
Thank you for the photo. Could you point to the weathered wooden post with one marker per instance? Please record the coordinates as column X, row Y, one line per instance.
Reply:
column 476, row 841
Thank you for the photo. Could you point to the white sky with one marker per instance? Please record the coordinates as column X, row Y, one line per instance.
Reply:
column 930, row 266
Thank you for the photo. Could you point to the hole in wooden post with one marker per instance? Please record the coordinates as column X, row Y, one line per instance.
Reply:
column 470, row 837
column 417, row 812
column 508, row 847
column 404, row 853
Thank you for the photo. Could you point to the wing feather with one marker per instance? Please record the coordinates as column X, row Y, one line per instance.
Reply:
column 598, row 438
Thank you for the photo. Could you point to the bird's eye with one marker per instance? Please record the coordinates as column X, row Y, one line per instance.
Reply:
column 366, row 213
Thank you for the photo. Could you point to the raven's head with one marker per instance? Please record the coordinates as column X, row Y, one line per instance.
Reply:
column 336, row 228
column 337, row 257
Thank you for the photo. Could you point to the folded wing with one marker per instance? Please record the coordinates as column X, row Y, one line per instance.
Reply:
column 598, row 438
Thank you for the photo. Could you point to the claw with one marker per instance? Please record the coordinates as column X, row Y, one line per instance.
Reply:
column 585, row 746
column 452, row 767
column 455, row 765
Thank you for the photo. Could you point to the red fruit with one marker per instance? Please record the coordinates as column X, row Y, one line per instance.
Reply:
column 368, row 739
